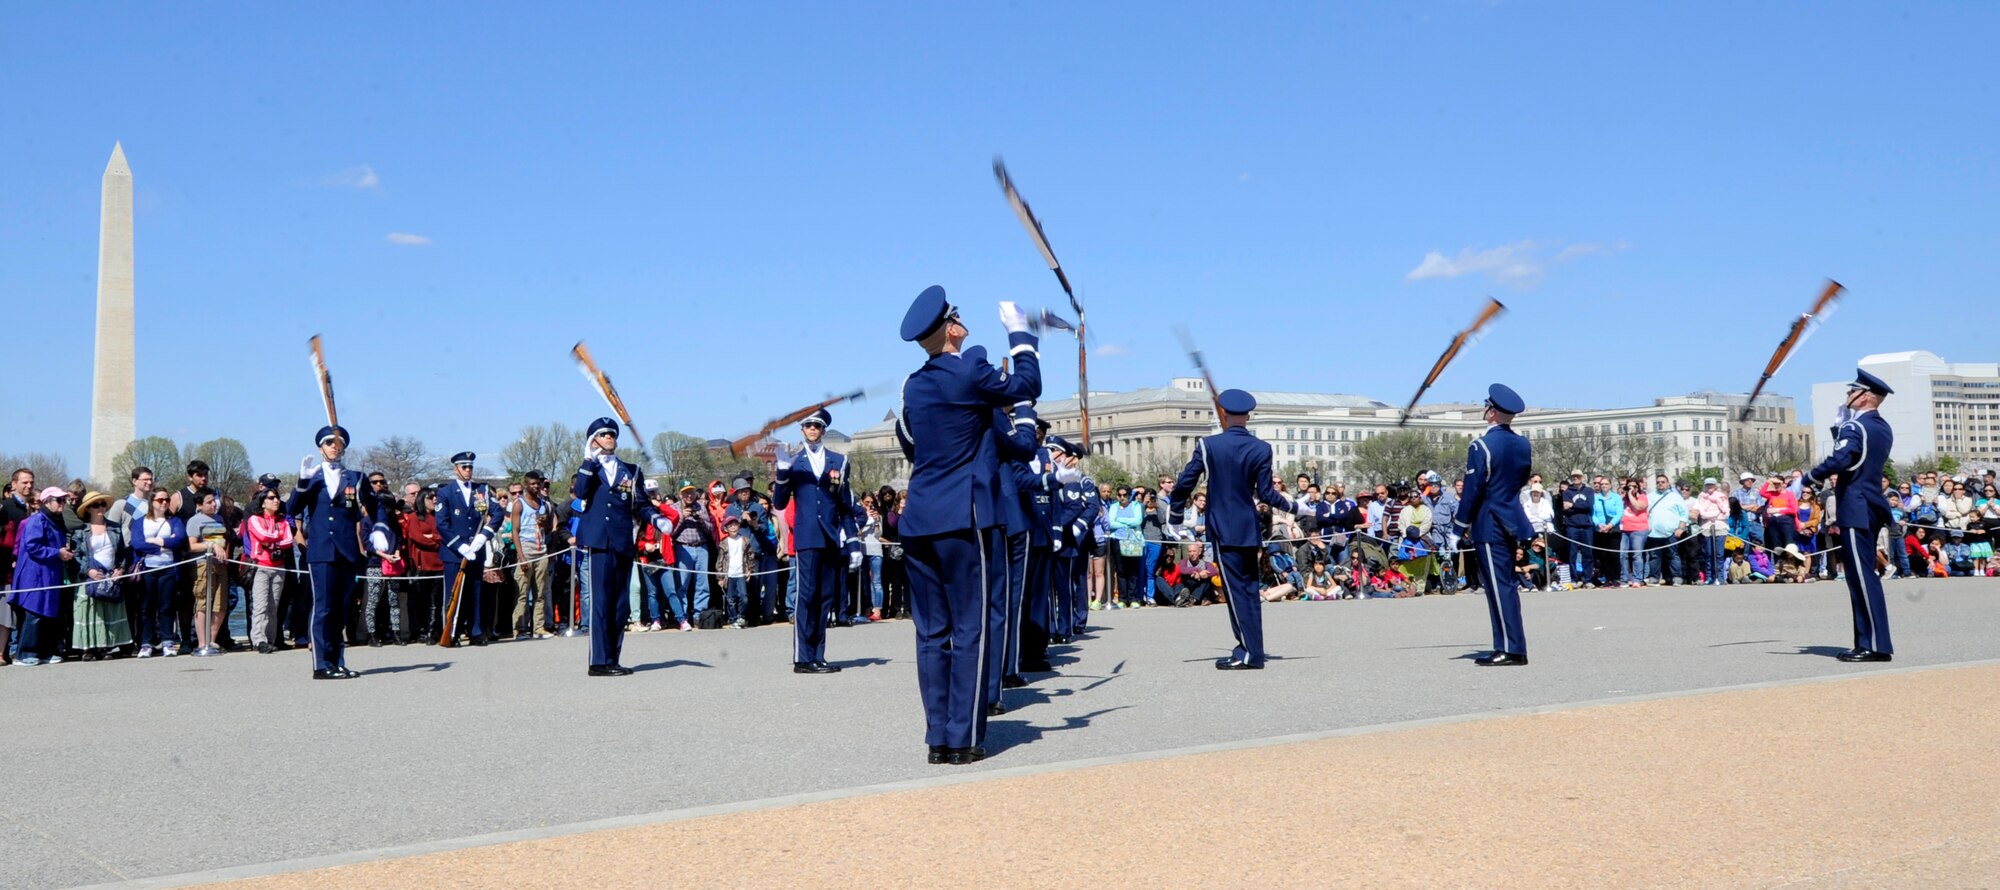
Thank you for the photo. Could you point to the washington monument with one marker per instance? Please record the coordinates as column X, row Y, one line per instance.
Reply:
column 112, row 425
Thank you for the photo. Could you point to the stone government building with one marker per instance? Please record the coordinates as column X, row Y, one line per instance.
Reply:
column 1147, row 428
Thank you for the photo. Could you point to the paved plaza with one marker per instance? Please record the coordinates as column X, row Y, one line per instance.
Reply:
column 159, row 769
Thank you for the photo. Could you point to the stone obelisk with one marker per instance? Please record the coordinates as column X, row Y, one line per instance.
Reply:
column 112, row 422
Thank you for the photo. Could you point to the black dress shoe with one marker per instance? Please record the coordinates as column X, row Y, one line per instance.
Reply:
column 939, row 753
column 1501, row 659
column 995, row 709
column 478, row 641
column 814, row 667
column 843, row 623
column 1012, row 681
column 1037, row 667
column 608, row 670
column 963, row 756
column 1230, row 664
column 1863, row 655
column 333, row 674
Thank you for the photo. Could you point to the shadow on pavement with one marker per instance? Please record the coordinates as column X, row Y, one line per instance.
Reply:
column 670, row 663
column 1821, row 651
column 401, row 668
column 1004, row 734
column 862, row 662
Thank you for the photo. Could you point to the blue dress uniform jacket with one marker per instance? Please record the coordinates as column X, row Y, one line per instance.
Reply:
column 460, row 518
column 1861, row 447
column 945, row 429
column 1496, row 469
column 1490, row 518
column 950, row 527
column 606, row 532
column 332, row 518
column 1238, row 467
column 822, row 522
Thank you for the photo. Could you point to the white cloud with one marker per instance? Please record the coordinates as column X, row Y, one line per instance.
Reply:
column 407, row 239
column 1113, row 350
column 1520, row 264
column 362, row 177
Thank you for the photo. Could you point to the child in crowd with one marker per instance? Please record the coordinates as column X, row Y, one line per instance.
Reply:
column 735, row 553
column 1913, row 545
column 1319, row 583
column 1761, row 569
column 1390, row 582
column 207, row 535
column 1360, row 579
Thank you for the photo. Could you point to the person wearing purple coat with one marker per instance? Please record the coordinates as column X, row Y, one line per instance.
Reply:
column 40, row 549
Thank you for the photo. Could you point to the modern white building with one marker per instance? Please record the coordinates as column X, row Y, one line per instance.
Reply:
column 1151, row 429
column 1939, row 407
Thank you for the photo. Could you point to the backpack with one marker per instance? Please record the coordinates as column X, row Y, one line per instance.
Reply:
column 711, row 619
column 1925, row 514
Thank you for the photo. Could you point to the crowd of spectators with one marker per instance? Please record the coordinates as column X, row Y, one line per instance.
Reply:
column 157, row 573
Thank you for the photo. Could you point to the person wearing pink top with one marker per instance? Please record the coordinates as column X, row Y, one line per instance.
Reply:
column 1633, row 526
column 1710, row 513
column 1781, row 514
column 266, row 534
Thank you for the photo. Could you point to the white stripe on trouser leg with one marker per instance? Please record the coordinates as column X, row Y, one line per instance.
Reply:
column 985, row 603
column 1229, row 602
column 1860, row 584
column 1493, row 591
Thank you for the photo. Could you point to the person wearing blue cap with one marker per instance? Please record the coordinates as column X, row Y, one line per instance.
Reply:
column 1070, row 527
column 332, row 503
column 1238, row 467
column 612, row 494
column 468, row 516
column 1044, row 536
column 1492, row 521
column 815, row 478
column 951, row 528
column 1860, row 448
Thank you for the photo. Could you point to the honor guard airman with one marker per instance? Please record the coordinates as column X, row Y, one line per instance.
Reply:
column 1237, row 465
column 331, row 503
column 951, row 528
column 614, row 507
column 815, row 478
column 1491, row 521
column 1017, row 441
column 1039, row 501
column 468, row 516
column 1070, row 528
column 1861, row 444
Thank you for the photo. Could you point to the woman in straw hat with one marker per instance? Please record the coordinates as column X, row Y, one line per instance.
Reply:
column 101, row 626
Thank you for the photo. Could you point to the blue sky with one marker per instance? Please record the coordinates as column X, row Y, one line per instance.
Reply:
column 733, row 203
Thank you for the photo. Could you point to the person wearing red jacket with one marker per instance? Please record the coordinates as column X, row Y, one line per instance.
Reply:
column 657, row 604
column 420, row 556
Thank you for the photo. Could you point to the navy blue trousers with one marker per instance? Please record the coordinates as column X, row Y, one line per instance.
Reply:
column 952, row 584
column 1503, row 594
column 1246, row 608
column 1003, row 615
column 333, row 599
column 1065, row 573
column 819, row 583
column 1037, row 608
column 1864, row 590
column 471, row 608
column 607, row 578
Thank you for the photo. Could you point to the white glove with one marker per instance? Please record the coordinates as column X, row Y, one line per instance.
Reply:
column 468, row 551
column 592, row 453
column 1068, row 474
column 1012, row 318
column 782, row 457
column 479, row 541
column 853, row 561
column 308, row 465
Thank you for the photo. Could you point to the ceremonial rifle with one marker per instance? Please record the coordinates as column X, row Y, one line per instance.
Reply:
column 1459, row 342
column 1802, row 327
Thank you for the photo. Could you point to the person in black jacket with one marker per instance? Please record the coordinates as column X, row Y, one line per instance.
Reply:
column 1575, row 506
